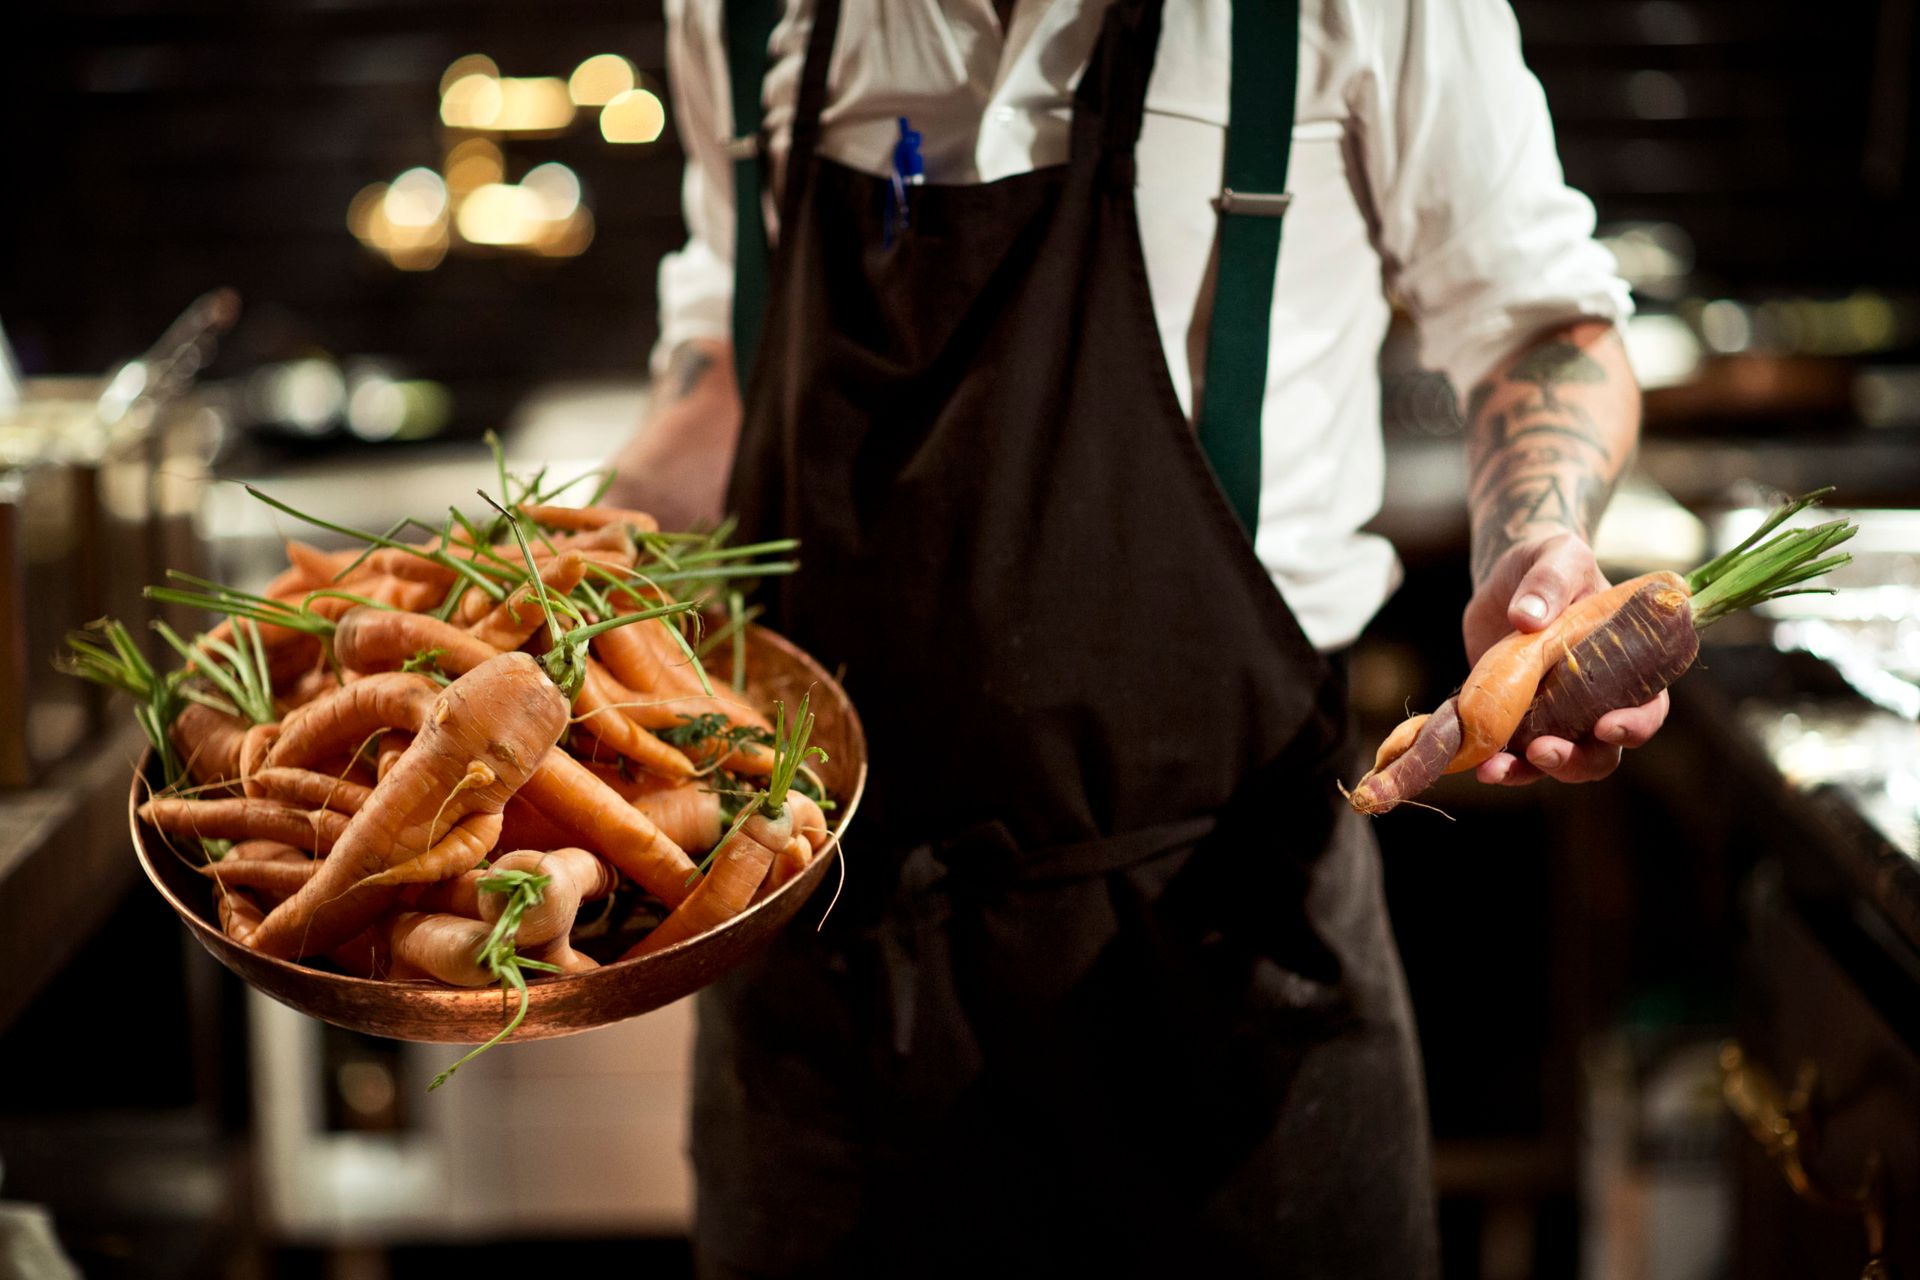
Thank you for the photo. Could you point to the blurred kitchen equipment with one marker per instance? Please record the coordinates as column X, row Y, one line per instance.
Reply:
column 1868, row 625
column 99, row 482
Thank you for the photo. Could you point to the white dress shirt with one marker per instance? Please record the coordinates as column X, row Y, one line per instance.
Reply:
column 1423, row 165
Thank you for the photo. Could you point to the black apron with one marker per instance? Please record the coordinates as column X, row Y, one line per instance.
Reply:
column 1110, row 982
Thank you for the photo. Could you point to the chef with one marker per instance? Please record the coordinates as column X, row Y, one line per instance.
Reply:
column 1051, row 330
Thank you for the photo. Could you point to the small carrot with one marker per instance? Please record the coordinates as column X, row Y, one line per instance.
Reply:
column 309, row 789
column 560, row 955
column 689, row 814
column 253, row 753
column 208, row 742
column 277, row 878
column 500, row 955
column 455, row 896
column 594, row 815
column 587, row 518
column 512, row 622
column 246, row 819
column 577, row 876
column 762, row 833
column 727, row 889
column 384, row 639
column 344, row 720
column 269, row 851
column 443, row 947
column 600, row 711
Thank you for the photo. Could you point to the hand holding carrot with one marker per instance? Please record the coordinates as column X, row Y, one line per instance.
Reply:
column 1584, row 661
column 1528, row 587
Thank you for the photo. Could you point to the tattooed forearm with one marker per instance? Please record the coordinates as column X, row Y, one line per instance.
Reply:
column 1547, row 436
column 686, row 366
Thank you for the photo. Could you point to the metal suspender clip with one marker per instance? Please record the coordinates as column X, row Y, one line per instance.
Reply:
column 1256, row 204
column 745, row 147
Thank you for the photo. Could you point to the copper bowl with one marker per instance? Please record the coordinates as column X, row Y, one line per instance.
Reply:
column 558, row 1006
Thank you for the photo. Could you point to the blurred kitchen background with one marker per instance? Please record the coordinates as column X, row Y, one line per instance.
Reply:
column 444, row 218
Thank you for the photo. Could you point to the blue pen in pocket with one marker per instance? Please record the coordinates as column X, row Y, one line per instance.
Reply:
column 909, row 170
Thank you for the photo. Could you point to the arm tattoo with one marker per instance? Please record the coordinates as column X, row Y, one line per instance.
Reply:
column 686, row 365
column 1540, row 462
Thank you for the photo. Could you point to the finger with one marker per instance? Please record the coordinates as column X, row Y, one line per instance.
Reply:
column 1504, row 770
column 1563, row 566
column 1563, row 761
column 1632, row 726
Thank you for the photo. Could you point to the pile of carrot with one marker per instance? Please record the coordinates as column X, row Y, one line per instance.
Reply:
column 486, row 752
column 1616, row 648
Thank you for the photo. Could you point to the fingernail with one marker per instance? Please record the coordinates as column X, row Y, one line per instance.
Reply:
column 1615, row 733
column 1534, row 607
column 1552, row 758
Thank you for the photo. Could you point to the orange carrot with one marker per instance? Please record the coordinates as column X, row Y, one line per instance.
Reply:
column 382, row 640
column 280, row 879
column 560, row 954
column 443, row 947
column 600, row 710
column 437, row 812
column 455, row 896
column 253, row 751
column 313, row 683
column 246, row 819
column 269, row 851
column 393, row 745
column 509, row 624
column 239, row 914
column 810, row 834
column 344, row 720
column 208, row 742
column 593, row 815
column 587, row 518
column 308, row 789
column 789, row 862
column 644, row 658
column 729, row 885
column 525, row 827
column 689, row 814
column 1501, row 686
column 577, row 877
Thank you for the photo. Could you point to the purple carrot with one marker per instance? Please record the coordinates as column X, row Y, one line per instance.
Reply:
column 1635, row 654
column 1416, row 768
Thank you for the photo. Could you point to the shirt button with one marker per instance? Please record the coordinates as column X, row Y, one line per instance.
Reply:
column 1003, row 115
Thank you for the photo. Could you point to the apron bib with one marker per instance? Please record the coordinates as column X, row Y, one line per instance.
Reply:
column 1110, row 981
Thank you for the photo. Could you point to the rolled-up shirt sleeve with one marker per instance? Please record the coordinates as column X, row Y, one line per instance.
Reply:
column 1480, row 236
column 696, row 280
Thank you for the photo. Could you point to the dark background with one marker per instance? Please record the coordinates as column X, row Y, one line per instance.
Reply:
column 160, row 147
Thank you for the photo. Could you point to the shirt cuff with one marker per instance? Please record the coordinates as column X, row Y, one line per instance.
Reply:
column 696, row 301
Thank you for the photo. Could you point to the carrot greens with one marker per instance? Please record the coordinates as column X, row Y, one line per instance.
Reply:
column 498, row 954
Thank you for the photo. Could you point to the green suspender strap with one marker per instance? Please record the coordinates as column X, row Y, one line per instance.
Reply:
column 749, row 24
column 1266, row 67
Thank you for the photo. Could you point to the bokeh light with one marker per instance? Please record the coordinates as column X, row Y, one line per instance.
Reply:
column 601, row 79
column 634, row 116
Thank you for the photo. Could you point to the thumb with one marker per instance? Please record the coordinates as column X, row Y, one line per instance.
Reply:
column 1549, row 584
